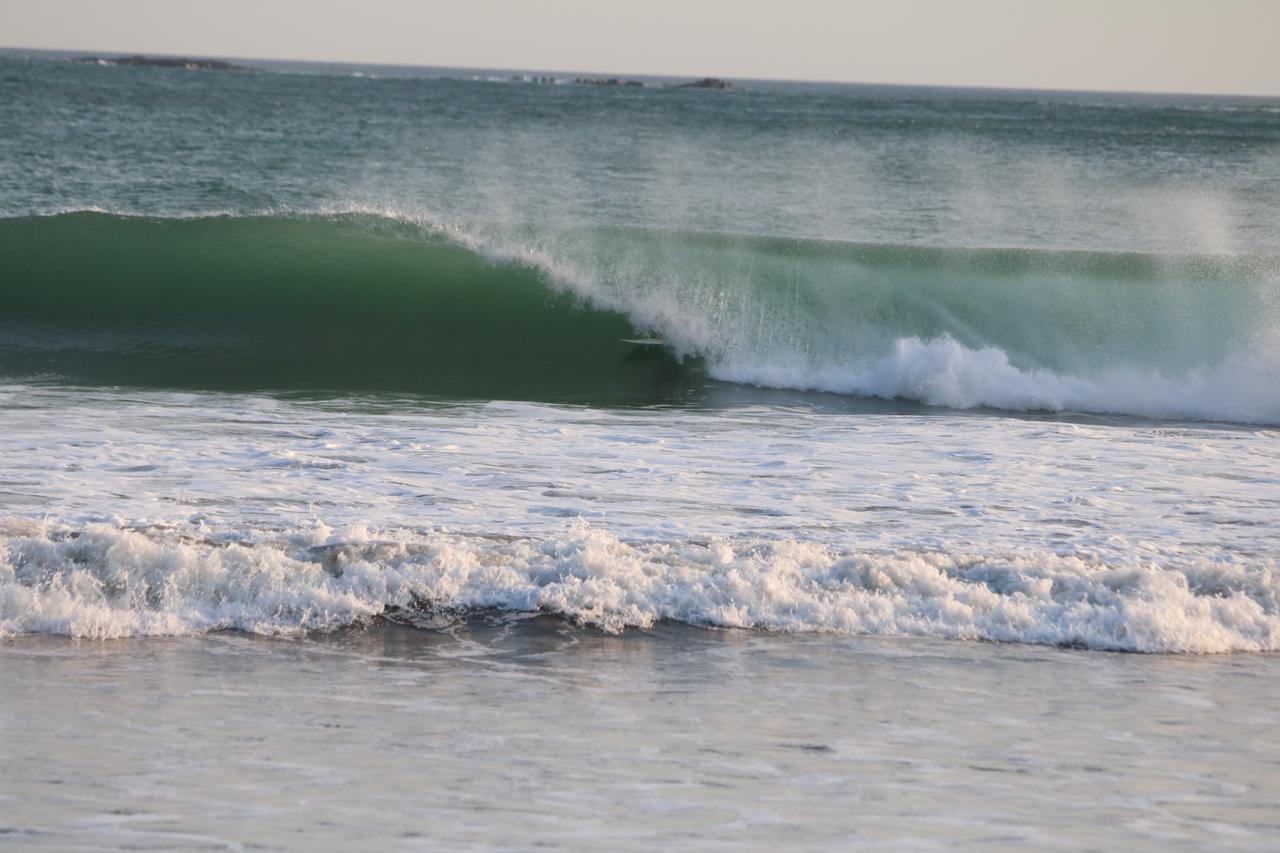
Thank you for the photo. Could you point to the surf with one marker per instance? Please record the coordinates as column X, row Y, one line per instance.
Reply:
column 103, row 582
column 363, row 301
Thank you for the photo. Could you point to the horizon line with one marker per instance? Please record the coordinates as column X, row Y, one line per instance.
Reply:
column 619, row 74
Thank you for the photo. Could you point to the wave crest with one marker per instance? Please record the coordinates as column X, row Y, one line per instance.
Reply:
column 379, row 301
column 943, row 372
column 103, row 582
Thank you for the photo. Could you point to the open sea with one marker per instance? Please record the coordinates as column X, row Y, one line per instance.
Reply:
column 423, row 458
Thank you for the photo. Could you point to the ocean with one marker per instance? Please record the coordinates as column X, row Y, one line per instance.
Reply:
column 431, row 458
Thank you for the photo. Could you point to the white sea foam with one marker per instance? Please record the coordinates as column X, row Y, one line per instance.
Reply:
column 942, row 372
column 134, row 513
column 104, row 582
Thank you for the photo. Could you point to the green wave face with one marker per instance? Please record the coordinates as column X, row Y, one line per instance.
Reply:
column 361, row 303
column 304, row 304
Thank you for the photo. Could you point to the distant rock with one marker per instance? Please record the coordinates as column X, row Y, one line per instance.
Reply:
column 706, row 83
column 606, row 81
column 163, row 62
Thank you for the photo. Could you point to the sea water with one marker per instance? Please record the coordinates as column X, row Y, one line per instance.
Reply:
column 317, row 399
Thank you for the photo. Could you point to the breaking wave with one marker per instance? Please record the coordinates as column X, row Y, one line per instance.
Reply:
column 364, row 301
column 102, row 582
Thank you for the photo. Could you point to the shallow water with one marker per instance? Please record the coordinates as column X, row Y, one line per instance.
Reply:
column 516, row 733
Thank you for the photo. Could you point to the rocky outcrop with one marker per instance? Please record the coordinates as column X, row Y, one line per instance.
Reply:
column 606, row 81
column 706, row 83
column 163, row 62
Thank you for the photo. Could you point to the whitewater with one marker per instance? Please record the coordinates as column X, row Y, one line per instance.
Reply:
column 282, row 516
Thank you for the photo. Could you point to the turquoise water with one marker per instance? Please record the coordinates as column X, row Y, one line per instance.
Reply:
column 356, row 302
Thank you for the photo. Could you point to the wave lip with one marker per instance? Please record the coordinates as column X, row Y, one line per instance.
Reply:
column 105, row 582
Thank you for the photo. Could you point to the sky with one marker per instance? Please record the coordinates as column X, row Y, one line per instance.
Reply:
column 1222, row 46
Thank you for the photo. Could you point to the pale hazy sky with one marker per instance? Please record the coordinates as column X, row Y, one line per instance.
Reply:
column 1157, row 45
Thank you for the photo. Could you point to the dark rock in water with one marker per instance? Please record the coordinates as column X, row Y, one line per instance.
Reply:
column 163, row 62
column 606, row 81
column 707, row 83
